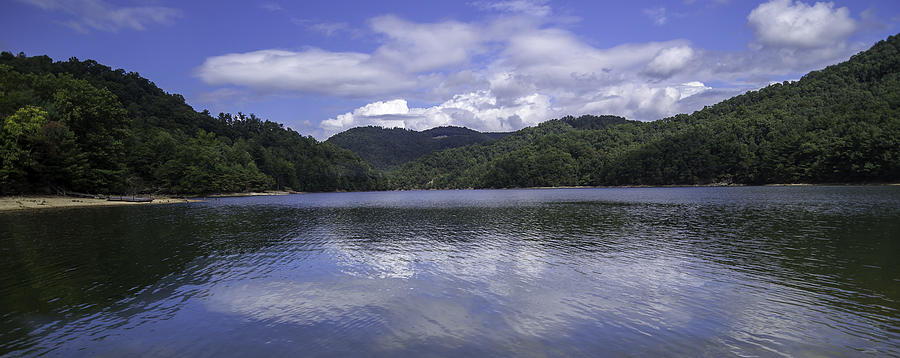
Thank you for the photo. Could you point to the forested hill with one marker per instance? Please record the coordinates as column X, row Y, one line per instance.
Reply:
column 473, row 166
column 82, row 126
column 388, row 148
column 837, row 125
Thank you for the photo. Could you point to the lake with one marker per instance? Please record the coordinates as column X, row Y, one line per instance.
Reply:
column 750, row 271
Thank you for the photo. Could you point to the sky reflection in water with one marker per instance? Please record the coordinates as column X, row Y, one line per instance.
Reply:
column 686, row 271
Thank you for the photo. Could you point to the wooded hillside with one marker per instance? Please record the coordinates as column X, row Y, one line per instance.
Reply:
column 82, row 126
column 837, row 125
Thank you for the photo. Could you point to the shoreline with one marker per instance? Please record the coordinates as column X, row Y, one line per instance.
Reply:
column 253, row 193
column 714, row 185
column 661, row 186
column 42, row 202
column 46, row 201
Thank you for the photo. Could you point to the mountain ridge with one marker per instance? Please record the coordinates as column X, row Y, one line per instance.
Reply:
column 388, row 148
column 83, row 126
column 838, row 124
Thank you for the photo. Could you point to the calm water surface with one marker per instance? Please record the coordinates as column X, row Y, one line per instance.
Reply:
column 749, row 271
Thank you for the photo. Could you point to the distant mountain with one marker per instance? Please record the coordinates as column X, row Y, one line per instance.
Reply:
column 388, row 148
column 837, row 125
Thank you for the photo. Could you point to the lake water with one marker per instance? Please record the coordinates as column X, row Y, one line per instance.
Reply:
column 749, row 271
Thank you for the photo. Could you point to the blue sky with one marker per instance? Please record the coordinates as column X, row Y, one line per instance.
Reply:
column 323, row 67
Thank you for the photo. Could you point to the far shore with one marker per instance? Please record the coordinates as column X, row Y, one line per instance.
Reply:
column 711, row 185
column 662, row 186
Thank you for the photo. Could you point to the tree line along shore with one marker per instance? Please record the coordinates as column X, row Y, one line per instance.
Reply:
column 86, row 127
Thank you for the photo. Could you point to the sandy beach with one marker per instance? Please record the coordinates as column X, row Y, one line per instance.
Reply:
column 37, row 202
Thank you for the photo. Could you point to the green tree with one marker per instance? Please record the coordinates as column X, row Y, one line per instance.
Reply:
column 16, row 144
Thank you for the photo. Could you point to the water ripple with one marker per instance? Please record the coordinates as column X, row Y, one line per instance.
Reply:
column 677, row 271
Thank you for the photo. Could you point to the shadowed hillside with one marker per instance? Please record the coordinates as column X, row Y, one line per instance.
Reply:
column 388, row 148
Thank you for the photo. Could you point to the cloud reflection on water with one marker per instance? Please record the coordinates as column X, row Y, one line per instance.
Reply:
column 447, row 298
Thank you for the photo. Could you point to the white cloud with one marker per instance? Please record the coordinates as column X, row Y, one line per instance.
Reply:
column 477, row 110
column 516, row 70
column 657, row 14
column 99, row 15
column 533, row 296
column 483, row 111
column 639, row 100
column 424, row 47
column 309, row 71
column 410, row 49
column 670, row 60
column 555, row 58
column 384, row 114
column 784, row 23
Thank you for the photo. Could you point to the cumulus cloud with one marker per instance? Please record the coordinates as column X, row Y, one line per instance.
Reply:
column 423, row 47
column 309, row 71
column 388, row 114
column 556, row 58
column 519, row 68
column 410, row 50
column 477, row 110
column 785, row 23
column 669, row 60
column 533, row 295
column 638, row 100
column 791, row 38
column 99, row 15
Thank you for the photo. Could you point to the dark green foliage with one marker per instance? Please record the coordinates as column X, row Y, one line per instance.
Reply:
column 503, row 163
column 207, row 164
column 840, row 124
column 390, row 148
column 78, row 125
column 82, row 126
column 19, row 136
column 593, row 122
column 76, row 136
